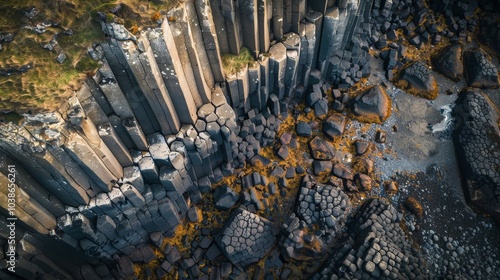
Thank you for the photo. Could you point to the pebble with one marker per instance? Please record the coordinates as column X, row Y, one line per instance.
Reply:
column 435, row 238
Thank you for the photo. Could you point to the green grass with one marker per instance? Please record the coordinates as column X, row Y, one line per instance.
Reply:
column 234, row 63
column 49, row 83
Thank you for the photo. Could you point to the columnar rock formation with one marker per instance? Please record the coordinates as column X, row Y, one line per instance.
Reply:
column 120, row 165
column 140, row 140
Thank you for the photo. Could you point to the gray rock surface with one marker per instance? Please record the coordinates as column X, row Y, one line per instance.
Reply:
column 449, row 62
column 377, row 248
column 373, row 105
column 246, row 238
column 477, row 138
column 479, row 71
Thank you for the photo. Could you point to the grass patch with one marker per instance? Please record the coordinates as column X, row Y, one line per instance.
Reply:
column 49, row 83
column 232, row 64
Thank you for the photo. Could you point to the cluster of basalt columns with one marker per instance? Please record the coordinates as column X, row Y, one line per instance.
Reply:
column 144, row 137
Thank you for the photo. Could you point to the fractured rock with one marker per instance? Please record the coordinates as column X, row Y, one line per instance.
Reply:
column 334, row 126
column 479, row 71
column 372, row 106
column 225, row 197
column 477, row 145
column 246, row 238
column 418, row 79
column 449, row 62
column 321, row 149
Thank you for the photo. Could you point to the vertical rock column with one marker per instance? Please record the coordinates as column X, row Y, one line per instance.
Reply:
column 210, row 38
column 92, row 108
column 147, row 74
column 129, row 85
column 298, row 13
column 199, row 53
column 25, row 181
column 277, row 19
column 27, row 209
column 329, row 38
column 83, row 154
column 287, row 16
column 293, row 48
column 249, row 19
column 231, row 14
column 264, row 10
column 265, row 88
column 220, row 25
column 277, row 64
column 318, row 5
column 181, row 33
column 51, row 176
column 254, row 85
column 172, row 73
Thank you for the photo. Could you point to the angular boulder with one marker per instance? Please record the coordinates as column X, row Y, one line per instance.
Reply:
column 246, row 238
column 479, row 71
column 418, row 80
column 321, row 149
column 372, row 106
column 225, row 197
column 449, row 62
column 334, row 126
column 304, row 129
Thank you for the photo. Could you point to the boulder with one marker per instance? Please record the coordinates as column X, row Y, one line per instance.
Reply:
column 449, row 62
column 477, row 145
column 479, row 71
column 225, row 197
column 418, row 79
column 304, row 129
column 283, row 152
column 372, row 106
column 363, row 182
column 321, row 149
column 246, row 238
column 343, row 171
column 322, row 167
column 361, row 147
column 334, row 126
column 323, row 207
column 321, row 108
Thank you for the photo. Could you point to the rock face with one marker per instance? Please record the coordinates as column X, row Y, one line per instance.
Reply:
column 477, row 144
column 377, row 248
column 479, row 71
column 418, row 79
column 318, row 206
column 373, row 105
column 449, row 62
column 246, row 238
